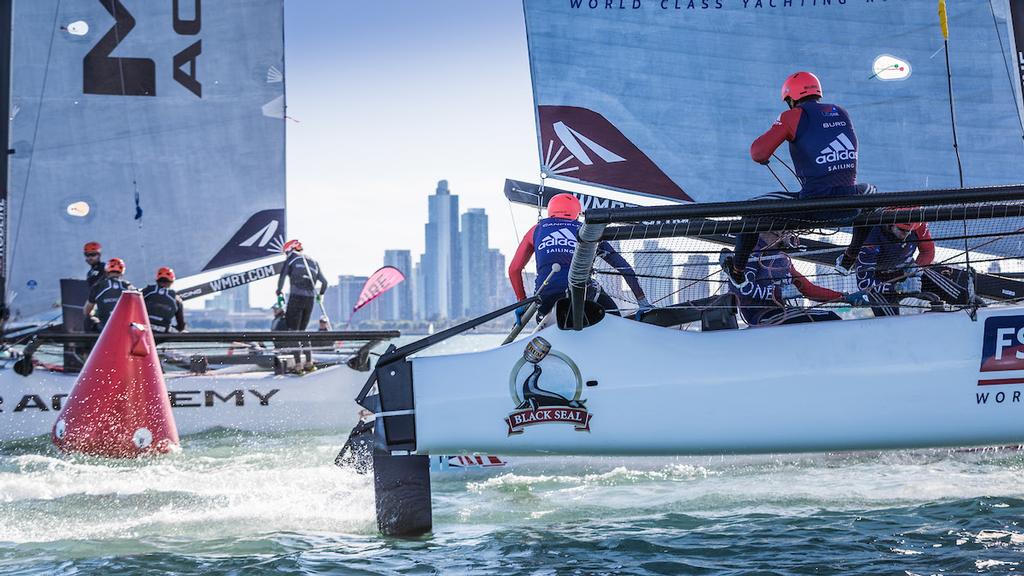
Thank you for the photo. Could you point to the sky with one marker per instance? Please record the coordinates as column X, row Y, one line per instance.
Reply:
column 391, row 96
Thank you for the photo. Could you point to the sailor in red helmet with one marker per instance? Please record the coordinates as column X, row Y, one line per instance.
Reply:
column 887, row 268
column 553, row 241
column 823, row 148
column 163, row 303
column 97, row 267
column 302, row 273
column 104, row 296
column 774, row 285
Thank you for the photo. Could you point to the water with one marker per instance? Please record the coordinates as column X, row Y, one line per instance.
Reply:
column 234, row 503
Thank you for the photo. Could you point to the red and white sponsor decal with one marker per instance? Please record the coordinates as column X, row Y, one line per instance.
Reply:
column 520, row 419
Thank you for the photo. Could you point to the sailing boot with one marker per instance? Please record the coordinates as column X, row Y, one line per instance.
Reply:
column 737, row 278
column 845, row 262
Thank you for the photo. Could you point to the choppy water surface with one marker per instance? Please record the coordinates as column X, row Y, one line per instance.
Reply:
column 233, row 503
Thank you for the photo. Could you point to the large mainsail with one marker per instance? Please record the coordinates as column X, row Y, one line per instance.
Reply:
column 663, row 98
column 155, row 128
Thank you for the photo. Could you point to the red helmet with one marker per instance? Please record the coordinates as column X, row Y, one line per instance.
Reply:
column 564, row 206
column 92, row 247
column 165, row 273
column 799, row 85
column 292, row 245
column 115, row 265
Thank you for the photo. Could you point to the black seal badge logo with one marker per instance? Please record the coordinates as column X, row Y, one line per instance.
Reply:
column 546, row 387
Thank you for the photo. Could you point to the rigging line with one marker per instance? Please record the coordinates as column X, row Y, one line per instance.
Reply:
column 131, row 144
column 788, row 167
column 952, row 114
column 781, row 183
column 949, row 90
column 35, row 134
column 1009, row 75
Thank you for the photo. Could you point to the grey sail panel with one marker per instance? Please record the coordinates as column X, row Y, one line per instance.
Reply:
column 664, row 99
column 150, row 127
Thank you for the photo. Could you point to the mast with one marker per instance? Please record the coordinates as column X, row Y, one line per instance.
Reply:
column 6, row 39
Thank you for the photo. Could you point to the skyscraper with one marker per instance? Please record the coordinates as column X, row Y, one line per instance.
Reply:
column 653, row 265
column 442, row 265
column 477, row 277
column 695, row 283
column 418, row 295
column 349, row 288
column 396, row 304
column 502, row 294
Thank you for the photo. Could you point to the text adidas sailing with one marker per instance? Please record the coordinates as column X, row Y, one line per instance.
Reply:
column 558, row 238
column 840, row 149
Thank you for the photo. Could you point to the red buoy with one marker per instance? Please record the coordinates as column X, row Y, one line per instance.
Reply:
column 119, row 406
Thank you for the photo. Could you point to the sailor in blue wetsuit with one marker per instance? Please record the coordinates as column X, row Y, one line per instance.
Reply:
column 303, row 274
column 163, row 304
column 104, row 296
column 553, row 240
column 823, row 147
column 886, row 266
column 771, row 280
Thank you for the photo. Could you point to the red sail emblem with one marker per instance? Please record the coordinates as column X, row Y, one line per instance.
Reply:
column 580, row 144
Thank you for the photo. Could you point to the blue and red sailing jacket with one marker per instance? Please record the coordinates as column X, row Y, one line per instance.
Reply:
column 772, row 280
column 822, row 144
column 553, row 240
column 885, row 258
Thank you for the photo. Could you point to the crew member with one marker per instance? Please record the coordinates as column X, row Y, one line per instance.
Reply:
column 97, row 267
column 163, row 303
column 886, row 266
column 771, row 281
column 823, row 149
column 553, row 240
column 302, row 273
column 104, row 296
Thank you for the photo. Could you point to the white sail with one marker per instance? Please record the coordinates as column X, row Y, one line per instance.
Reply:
column 143, row 126
column 663, row 98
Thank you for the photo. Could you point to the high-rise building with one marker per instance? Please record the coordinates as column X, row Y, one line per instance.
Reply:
column 396, row 304
column 441, row 262
column 418, row 295
column 477, row 277
column 653, row 265
column 694, row 282
column 349, row 288
column 502, row 294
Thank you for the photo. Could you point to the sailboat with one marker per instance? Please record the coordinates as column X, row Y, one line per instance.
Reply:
column 659, row 101
column 158, row 130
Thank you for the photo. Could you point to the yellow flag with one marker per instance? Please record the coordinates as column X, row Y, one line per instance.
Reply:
column 943, row 21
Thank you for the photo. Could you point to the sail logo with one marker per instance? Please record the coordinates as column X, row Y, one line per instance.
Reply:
column 263, row 232
column 577, row 145
column 558, row 238
column 262, row 237
column 121, row 76
column 840, row 149
column 546, row 388
column 1003, row 349
column 580, row 144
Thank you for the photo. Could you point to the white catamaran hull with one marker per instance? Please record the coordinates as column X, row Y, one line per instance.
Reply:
column 250, row 401
column 870, row 384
